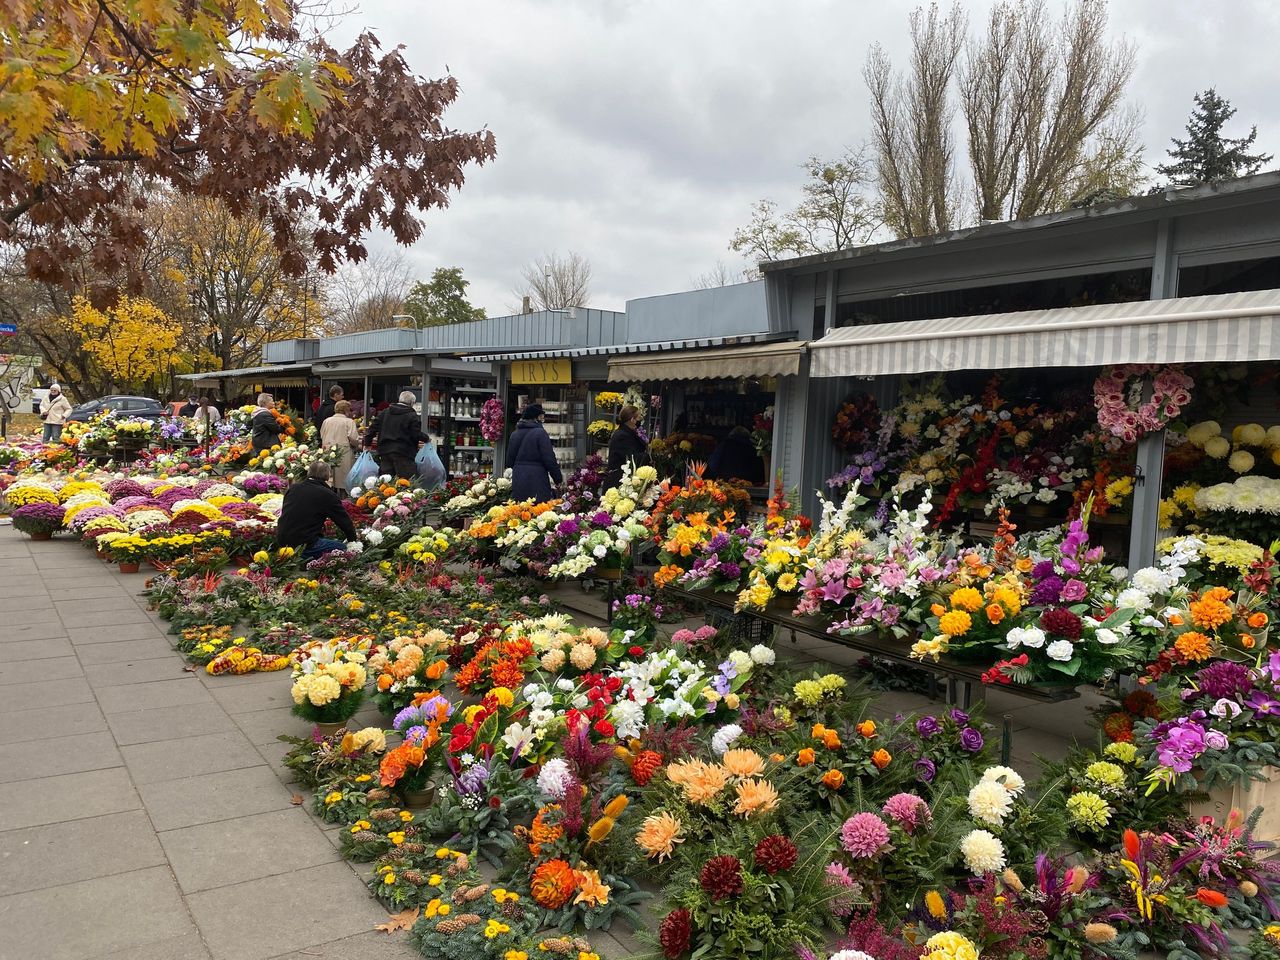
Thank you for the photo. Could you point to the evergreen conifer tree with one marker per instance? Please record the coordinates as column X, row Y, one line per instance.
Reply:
column 1206, row 156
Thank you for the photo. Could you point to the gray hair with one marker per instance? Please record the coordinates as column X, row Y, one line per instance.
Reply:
column 265, row 399
column 319, row 471
column 409, row 397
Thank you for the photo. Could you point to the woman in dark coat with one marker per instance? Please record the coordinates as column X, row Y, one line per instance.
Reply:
column 625, row 446
column 531, row 458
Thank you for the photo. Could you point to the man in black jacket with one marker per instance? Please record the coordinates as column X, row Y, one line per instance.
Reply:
column 307, row 505
column 326, row 409
column 398, row 430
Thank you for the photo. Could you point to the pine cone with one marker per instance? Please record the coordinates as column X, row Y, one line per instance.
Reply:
column 378, row 793
column 366, row 836
column 450, row 926
column 469, row 918
column 384, row 814
column 559, row 945
column 512, row 910
column 475, row 893
column 416, row 877
column 412, row 846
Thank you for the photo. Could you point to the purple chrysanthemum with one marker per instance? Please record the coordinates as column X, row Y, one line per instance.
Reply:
column 864, row 835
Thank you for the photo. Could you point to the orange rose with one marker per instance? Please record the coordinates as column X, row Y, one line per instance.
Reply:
column 833, row 779
column 995, row 612
column 1175, row 619
column 776, row 757
column 806, row 757
column 867, row 729
column 937, row 609
column 384, row 682
column 1247, row 641
column 437, row 669
column 1257, row 620
column 818, row 731
column 831, row 740
column 881, row 759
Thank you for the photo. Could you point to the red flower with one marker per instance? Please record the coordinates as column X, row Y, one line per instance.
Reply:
column 674, row 933
column 635, row 650
column 495, row 802
column 1211, row 898
column 1131, row 844
column 721, row 877
column 645, row 765
column 604, row 728
column 1061, row 622
column 775, row 853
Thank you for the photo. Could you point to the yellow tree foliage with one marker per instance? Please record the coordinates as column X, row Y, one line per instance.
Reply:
column 131, row 342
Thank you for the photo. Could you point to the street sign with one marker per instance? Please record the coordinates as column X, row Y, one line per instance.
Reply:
column 8, row 329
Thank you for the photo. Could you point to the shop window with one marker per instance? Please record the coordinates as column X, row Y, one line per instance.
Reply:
column 1078, row 291
column 1235, row 277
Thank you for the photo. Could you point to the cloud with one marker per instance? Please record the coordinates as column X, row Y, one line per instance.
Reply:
column 638, row 134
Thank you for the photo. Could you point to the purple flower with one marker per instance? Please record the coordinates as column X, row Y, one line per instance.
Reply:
column 960, row 717
column 1042, row 569
column 927, row 726
column 1224, row 679
column 1182, row 744
column 731, row 571
column 926, row 770
column 1073, row 591
column 1263, row 704
column 1047, row 591
column 835, row 591
column 717, row 543
column 1215, row 740
column 971, row 739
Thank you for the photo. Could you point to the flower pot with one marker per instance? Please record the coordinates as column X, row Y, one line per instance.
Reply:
column 40, row 536
column 128, row 566
column 161, row 565
column 419, row 799
column 609, row 573
column 102, row 555
column 328, row 729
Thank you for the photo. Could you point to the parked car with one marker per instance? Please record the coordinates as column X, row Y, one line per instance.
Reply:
column 37, row 397
column 125, row 406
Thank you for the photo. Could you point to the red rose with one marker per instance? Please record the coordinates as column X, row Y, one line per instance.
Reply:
column 495, row 803
column 604, row 728
column 636, row 651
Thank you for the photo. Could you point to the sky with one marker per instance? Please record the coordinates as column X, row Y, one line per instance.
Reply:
column 639, row 133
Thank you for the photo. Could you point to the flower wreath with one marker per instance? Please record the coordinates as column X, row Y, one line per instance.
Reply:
column 1117, row 393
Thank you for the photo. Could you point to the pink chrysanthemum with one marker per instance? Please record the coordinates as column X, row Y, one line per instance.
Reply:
column 864, row 835
column 838, row 875
column 907, row 811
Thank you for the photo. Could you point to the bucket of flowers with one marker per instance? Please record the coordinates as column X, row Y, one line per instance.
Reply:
column 127, row 551
column 328, row 681
column 39, row 521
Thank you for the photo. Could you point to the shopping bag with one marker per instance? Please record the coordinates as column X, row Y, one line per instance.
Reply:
column 362, row 471
column 430, row 469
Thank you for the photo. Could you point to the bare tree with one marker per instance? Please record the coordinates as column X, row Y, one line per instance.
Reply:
column 1044, row 111
column 369, row 295
column 553, row 282
column 836, row 212
column 721, row 275
column 911, row 126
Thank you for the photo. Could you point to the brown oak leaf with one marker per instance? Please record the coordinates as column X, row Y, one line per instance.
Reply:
column 403, row 920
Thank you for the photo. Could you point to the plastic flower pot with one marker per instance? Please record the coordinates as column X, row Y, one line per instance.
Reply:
column 609, row 573
column 329, row 729
column 40, row 536
column 419, row 799
column 128, row 566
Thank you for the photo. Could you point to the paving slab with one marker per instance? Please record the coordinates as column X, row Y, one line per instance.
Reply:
column 265, row 845
column 129, row 672
column 51, row 855
column 181, row 691
column 48, row 723
column 106, row 618
column 45, row 649
column 37, row 672
column 263, row 726
column 54, row 693
column 227, row 795
column 121, row 650
column 169, row 723
column 92, row 917
column 33, row 759
column 114, row 633
column 373, row 945
column 87, row 592
column 32, row 631
column 163, row 760
column 237, row 698
column 119, row 600
column 188, row 947
column 73, row 796
column 277, row 915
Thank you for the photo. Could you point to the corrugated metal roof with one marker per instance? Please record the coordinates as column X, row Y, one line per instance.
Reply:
column 619, row 349
column 284, row 370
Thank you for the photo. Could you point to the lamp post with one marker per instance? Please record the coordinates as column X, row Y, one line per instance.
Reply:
column 309, row 289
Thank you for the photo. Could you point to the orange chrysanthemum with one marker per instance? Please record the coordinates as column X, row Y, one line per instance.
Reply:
column 553, row 884
column 701, row 781
column 659, row 834
column 743, row 763
column 755, row 797
column 1211, row 610
column 1194, row 647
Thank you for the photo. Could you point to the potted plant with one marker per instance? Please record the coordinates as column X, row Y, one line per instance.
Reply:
column 127, row 552
column 39, row 521
column 328, row 681
column 409, row 767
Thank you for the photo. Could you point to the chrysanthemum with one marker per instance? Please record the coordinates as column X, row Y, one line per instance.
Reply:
column 1008, row 777
column 659, row 834
column 1088, row 810
column 864, row 835
column 755, row 797
column 1106, row 774
column 721, row 877
column 743, row 763
column 990, row 802
column 950, row 946
column 907, row 810
column 701, row 781
column 983, row 852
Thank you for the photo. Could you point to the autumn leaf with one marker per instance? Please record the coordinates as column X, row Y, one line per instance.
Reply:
column 296, row 799
column 398, row 921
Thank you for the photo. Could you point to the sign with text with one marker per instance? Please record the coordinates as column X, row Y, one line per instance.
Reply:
column 8, row 329
column 559, row 370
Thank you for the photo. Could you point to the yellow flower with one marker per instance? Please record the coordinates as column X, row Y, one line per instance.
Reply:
column 515, row 955
column 332, row 797
column 405, row 816
column 396, row 837
column 364, row 778
column 388, row 878
column 435, row 880
column 966, row 598
column 955, row 623
column 360, row 825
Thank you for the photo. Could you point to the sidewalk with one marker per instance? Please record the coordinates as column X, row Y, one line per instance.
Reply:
column 143, row 811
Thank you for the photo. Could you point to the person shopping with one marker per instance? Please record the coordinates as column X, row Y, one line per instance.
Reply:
column 625, row 446
column 265, row 429
column 307, row 505
column 339, row 431
column 398, row 431
column 54, row 409
column 531, row 458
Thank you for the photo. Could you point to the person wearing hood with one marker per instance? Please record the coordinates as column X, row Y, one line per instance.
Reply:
column 265, row 429
column 54, row 409
column 398, row 431
column 531, row 458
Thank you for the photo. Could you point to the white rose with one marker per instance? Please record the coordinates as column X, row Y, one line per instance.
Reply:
column 1060, row 650
column 1106, row 636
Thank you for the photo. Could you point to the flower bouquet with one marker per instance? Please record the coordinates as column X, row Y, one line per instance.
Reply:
column 328, row 679
column 39, row 521
column 409, row 766
column 407, row 665
column 492, row 420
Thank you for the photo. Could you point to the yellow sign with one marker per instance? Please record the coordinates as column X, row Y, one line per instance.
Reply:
column 559, row 370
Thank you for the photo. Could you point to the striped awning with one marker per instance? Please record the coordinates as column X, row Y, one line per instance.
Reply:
column 1223, row 328
column 753, row 360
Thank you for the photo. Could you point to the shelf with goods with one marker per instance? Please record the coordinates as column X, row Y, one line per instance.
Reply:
column 451, row 417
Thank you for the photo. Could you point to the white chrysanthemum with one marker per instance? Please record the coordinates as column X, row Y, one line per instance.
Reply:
column 628, row 719
column 1251, row 434
column 1152, row 580
column 724, row 738
column 990, row 802
column 1217, row 447
column 741, row 661
column 983, row 852
column 1060, row 650
column 1007, row 776
column 763, row 655
column 554, row 777
column 1204, row 431
column 1133, row 599
column 1273, row 437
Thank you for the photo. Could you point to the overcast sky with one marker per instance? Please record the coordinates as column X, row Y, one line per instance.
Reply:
column 639, row 133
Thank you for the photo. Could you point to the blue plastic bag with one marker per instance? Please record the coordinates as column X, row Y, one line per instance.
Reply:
column 362, row 471
column 430, row 469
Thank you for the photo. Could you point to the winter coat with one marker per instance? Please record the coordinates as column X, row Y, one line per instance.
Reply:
column 307, row 505
column 398, row 429
column 266, row 429
column 340, row 431
column 323, row 413
column 625, row 446
column 531, row 459
column 55, row 409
